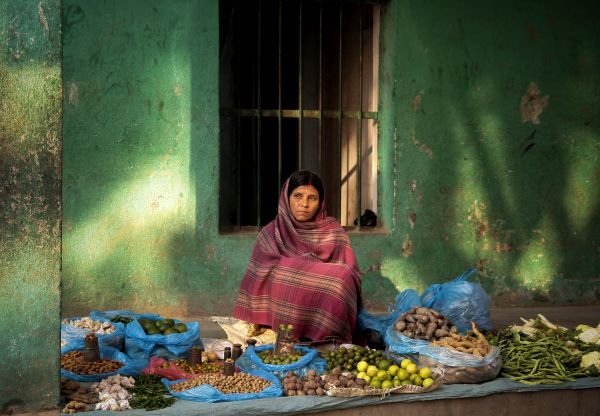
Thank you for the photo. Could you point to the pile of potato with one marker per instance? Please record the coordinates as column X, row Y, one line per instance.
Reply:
column 309, row 385
column 74, row 362
column 346, row 380
column 237, row 383
column 424, row 323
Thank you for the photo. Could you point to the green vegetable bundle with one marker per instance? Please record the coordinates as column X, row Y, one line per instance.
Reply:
column 149, row 393
column 541, row 358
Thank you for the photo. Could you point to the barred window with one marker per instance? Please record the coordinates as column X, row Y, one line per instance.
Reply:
column 298, row 87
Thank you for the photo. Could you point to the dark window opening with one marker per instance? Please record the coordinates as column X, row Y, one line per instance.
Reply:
column 298, row 85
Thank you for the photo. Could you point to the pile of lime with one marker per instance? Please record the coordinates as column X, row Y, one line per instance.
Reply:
column 162, row 326
column 387, row 374
column 268, row 357
column 346, row 358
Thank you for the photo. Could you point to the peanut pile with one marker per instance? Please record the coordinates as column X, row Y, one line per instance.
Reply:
column 238, row 383
column 73, row 361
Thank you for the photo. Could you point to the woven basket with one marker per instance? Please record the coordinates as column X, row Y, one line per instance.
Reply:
column 406, row 389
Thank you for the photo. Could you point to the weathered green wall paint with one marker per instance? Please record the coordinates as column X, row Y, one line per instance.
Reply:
column 141, row 154
column 30, row 157
column 460, row 185
column 475, row 185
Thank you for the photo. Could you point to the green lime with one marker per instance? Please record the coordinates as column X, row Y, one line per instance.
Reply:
column 168, row 331
column 180, row 327
column 168, row 322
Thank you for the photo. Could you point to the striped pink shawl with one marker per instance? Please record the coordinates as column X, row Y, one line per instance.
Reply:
column 302, row 273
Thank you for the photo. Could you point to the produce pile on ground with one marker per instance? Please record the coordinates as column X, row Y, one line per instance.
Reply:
column 149, row 393
column 98, row 327
column 268, row 357
column 200, row 368
column 475, row 343
column 540, row 352
column 162, row 326
column 424, row 323
column 74, row 362
column 374, row 368
column 309, row 385
column 237, row 383
column 534, row 352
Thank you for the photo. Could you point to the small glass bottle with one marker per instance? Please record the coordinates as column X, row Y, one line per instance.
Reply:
column 91, row 349
column 236, row 351
column 228, row 367
column 195, row 355
column 251, row 342
column 227, row 353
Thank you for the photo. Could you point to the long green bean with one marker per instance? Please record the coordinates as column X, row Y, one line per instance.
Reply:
column 541, row 360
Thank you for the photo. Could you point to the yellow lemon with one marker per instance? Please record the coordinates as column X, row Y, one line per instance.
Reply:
column 412, row 368
column 403, row 374
column 425, row 372
column 427, row 382
column 382, row 375
column 387, row 384
column 372, row 371
column 404, row 363
column 362, row 366
column 393, row 369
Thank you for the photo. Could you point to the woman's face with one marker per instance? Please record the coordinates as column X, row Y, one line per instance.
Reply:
column 304, row 202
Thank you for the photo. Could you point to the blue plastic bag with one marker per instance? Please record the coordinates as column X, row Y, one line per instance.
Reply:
column 131, row 367
column 140, row 345
column 404, row 301
column 73, row 336
column 207, row 393
column 461, row 302
column 311, row 360
column 402, row 345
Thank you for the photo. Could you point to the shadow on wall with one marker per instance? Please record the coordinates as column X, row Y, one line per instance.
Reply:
column 497, row 160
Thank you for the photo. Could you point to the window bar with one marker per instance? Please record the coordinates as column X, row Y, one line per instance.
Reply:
column 279, row 119
column 258, row 106
column 360, row 121
column 341, row 8
column 300, row 86
column 238, row 125
column 320, row 87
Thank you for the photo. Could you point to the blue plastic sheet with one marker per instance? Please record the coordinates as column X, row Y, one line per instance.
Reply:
column 207, row 393
column 73, row 336
column 131, row 367
column 461, row 302
column 311, row 360
column 140, row 345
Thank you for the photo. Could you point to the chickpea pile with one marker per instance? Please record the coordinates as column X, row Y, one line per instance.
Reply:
column 202, row 368
column 73, row 361
column 238, row 383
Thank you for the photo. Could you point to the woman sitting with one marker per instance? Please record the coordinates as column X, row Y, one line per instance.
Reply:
column 302, row 270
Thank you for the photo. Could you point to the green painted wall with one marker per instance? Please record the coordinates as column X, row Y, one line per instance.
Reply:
column 497, row 176
column 467, row 177
column 30, row 203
